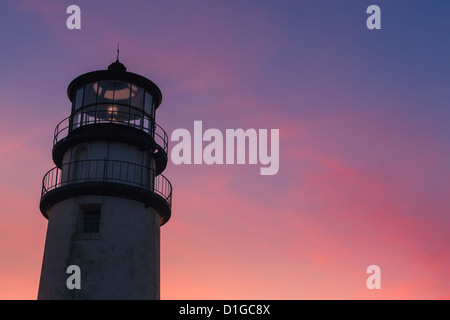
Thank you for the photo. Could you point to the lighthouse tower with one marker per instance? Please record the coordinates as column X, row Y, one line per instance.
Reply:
column 106, row 198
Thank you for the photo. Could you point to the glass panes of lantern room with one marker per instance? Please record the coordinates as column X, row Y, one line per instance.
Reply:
column 113, row 101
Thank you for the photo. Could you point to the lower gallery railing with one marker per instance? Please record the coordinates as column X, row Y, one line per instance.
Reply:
column 107, row 171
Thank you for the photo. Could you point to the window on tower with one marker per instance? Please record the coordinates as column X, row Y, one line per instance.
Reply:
column 90, row 94
column 91, row 219
column 122, row 93
column 148, row 104
column 137, row 96
column 116, row 93
column 79, row 98
column 105, row 91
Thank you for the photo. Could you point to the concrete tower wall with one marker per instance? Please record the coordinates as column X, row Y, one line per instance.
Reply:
column 121, row 260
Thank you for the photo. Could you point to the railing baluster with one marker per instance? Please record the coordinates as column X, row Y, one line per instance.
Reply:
column 105, row 165
column 56, row 181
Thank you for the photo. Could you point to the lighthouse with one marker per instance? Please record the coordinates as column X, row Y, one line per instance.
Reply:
column 106, row 198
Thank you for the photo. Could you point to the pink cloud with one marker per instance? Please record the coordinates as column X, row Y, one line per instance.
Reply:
column 328, row 220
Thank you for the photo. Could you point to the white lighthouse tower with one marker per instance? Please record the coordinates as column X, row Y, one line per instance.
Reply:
column 106, row 198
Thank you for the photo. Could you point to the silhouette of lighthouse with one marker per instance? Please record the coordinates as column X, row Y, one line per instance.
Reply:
column 106, row 198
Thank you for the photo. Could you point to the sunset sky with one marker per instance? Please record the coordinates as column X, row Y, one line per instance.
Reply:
column 363, row 117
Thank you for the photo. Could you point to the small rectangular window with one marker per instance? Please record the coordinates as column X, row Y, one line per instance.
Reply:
column 91, row 220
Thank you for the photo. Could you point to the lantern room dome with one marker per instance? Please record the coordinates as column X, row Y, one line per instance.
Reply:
column 116, row 72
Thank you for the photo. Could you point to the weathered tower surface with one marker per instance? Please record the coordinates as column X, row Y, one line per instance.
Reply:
column 106, row 198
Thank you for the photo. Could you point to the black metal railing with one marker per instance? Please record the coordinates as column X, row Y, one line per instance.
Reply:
column 108, row 113
column 107, row 171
